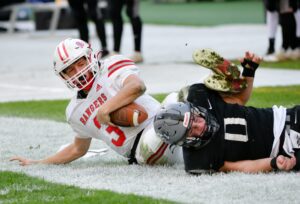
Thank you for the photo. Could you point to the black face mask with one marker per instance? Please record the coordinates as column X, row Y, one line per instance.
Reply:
column 212, row 128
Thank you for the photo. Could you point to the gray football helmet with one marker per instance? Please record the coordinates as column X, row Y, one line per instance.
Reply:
column 173, row 122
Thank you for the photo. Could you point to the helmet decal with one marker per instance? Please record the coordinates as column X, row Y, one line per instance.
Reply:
column 79, row 44
column 186, row 119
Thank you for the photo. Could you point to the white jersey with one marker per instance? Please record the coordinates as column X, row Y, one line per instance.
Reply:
column 81, row 113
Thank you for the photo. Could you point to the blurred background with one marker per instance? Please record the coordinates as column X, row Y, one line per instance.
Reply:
column 160, row 35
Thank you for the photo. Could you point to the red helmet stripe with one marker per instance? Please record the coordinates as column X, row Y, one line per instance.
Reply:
column 65, row 51
column 59, row 54
column 63, row 56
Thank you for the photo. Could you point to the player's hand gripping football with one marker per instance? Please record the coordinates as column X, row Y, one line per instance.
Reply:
column 103, row 116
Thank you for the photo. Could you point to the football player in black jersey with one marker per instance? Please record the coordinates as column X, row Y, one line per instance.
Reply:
column 219, row 133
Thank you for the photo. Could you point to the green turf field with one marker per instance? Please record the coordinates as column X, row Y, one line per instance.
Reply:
column 203, row 13
column 286, row 64
column 19, row 188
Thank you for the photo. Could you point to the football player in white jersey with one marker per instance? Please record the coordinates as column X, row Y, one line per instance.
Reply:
column 103, row 86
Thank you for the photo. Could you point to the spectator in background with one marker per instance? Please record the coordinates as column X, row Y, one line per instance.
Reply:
column 81, row 14
column 288, row 25
column 272, row 19
column 284, row 11
column 132, row 11
column 297, row 17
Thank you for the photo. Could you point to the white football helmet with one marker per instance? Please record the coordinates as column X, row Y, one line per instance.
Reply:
column 69, row 51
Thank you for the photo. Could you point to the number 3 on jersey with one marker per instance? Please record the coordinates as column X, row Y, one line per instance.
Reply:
column 113, row 129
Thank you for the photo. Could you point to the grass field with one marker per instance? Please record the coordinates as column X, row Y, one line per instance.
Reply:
column 286, row 64
column 203, row 13
column 19, row 188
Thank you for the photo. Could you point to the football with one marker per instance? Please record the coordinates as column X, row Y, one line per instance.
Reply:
column 129, row 116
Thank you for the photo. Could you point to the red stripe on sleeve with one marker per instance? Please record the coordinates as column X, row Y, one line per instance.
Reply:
column 117, row 63
column 119, row 67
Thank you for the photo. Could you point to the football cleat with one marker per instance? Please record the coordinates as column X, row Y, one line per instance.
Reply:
column 219, row 83
column 212, row 60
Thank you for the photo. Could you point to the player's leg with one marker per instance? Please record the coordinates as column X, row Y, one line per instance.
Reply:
column 212, row 60
column 117, row 21
column 272, row 24
column 132, row 11
column 98, row 19
column 272, row 20
column 80, row 16
column 297, row 18
column 152, row 151
column 288, row 25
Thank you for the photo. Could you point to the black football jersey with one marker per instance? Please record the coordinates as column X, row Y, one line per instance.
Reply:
column 245, row 132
